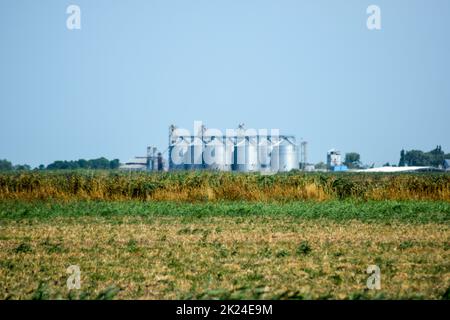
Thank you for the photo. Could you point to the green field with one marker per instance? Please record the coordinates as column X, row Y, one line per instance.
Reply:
column 138, row 249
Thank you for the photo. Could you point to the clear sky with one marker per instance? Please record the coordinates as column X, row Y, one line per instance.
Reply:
column 310, row 68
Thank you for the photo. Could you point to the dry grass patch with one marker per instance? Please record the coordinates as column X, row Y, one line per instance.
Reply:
column 221, row 257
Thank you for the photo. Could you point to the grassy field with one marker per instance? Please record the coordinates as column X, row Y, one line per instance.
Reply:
column 224, row 249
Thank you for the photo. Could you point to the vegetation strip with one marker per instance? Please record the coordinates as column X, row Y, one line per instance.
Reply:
column 216, row 186
column 382, row 211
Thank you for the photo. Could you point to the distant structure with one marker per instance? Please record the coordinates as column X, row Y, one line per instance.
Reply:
column 447, row 164
column 242, row 152
column 304, row 156
column 154, row 161
column 333, row 158
column 334, row 161
column 135, row 164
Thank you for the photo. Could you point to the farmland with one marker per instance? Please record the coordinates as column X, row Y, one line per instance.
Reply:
column 210, row 235
column 214, row 186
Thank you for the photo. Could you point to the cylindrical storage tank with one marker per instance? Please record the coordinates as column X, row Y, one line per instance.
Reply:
column 214, row 155
column 159, row 162
column 178, row 155
column 284, row 156
column 154, row 161
column 246, row 155
column 264, row 151
column 239, row 155
column 229, row 153
column 172, row 165
column 152, row 164
column 194, row 156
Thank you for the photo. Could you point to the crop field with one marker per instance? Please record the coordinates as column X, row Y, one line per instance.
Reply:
column 224, row 236
column 213, row 186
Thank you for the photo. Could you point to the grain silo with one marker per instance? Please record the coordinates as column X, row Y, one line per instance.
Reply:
column 242, row 151
column 284, row 155
column 194, row 157
column 178, row 150
column 246, row 154
column 264, row 153
column 217, row 153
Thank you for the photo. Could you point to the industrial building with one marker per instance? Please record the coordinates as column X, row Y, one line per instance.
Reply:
column 135, row 164
column 447, row 165
column 334, row 161
column 243, row 151
column 154, row 161
column 333, row 158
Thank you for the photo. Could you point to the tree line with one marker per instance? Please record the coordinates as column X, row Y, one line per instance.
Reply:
column 433, row 158
column 100, row 163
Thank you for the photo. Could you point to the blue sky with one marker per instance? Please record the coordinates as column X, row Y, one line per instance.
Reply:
column 309, row 68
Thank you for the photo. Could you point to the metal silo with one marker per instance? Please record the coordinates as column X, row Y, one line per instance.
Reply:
column 194, row 156
column 178, row 154
column 264, row 151
column 215, row 154
column 229, row 153
column 239, row 155
column 170, row 152
column 246, row 154
column 173, row 151
column 284, row 155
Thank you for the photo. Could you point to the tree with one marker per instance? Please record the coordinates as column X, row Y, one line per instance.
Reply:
column 436, row 157
column 415, row 158
column 20, row 167
column 401, row 163
column 320, row 166
column 5, row 165
column 433, row 158
column 100, row 163
column 114, row 164
column 83, row 164
column 352, row 160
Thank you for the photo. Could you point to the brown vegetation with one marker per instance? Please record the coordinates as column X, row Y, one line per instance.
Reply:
column 211, row 186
